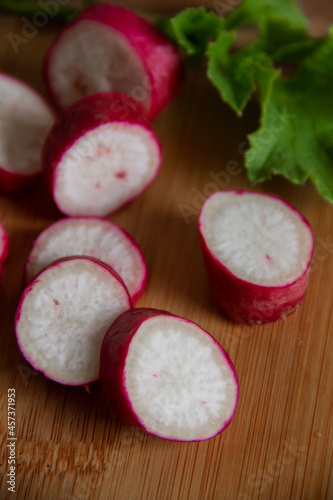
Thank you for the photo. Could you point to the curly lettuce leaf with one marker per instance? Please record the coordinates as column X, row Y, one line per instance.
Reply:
column 295, row 138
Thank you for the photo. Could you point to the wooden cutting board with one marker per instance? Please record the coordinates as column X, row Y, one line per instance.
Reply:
column 279, row 445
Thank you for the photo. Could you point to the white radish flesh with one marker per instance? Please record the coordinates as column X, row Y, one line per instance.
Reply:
column 110, row 48
column 93, row 237
column 25, row 121
column 168, row 376
column 257, row 250
column 63, row 316
column 100, row 154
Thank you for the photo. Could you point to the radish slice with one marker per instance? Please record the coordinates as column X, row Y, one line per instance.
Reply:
column 111, row 48
column 25, row 121
column 257, row 251
column 93, row 237
column 4, row 242
column 63, row 316
column 100, row 154
column 167, row 376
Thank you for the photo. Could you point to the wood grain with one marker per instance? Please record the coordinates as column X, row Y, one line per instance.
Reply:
column 280, row 443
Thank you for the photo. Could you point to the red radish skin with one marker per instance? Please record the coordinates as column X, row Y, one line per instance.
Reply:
column 149, row 360
column 242, row 300
column 25, row 121
column 108, row 47
column 93, row 237
column 4, row 244
column 100, row 155
column 63, row 315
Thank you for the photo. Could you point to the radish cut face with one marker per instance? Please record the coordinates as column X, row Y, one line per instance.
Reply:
column 63, row 316
column 120, row 159
column 94, row 57
column 174, row 381
column 110, row 48
column 259, row 241
column 93, row 237
column 100, row 154
column 25, row 121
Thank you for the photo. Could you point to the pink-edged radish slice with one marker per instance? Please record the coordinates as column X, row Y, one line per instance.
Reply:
column 63, row 315
column 93, row 237
column 100, row 154
column 4, row 243
column 257, row 251
column 167, row 376
column 111, row 48
column 25, row 121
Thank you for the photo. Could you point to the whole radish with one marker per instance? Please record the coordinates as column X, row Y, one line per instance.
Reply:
column 108, row 47
column 100, row 155
column 257, row 251
column 167, row 376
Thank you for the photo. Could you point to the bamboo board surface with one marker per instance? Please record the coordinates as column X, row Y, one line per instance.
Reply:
column 280, row 443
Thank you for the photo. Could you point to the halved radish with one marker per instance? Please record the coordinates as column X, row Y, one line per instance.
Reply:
column 167, row 376
column 111, row 48
column 93, row 237
column 25, row 121
column 257, row 251
column 63, row 315
column 100, row 154
column 4, row 242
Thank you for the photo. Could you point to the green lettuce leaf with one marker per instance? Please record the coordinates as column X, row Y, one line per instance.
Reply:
column 295, row 138
column 237, row 74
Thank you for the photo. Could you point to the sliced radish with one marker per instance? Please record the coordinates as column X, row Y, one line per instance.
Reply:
column 167, row 376
column 4, row 242
column 100, row 154
column 93, row 237
column 25, row 121
column 111, row 48
column 63, row 316
column 257, row 251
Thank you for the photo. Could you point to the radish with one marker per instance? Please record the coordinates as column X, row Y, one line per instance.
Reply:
column 167, row 376
column 63, row 315
column 100, row 154
column 25, row 122
column 111, row 48
column 93, row 237
column 257, row 251
column 4, row 242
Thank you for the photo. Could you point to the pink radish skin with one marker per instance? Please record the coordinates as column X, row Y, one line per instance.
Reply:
column 244, row 222
column 25, row 121
column 63, row 315
column 93, row 237
column 100, row 155
column 138, row 59
column 167, row 376
column 4, row 244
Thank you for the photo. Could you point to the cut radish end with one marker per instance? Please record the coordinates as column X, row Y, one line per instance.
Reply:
column 167, row 376
column 93, row 237
column 25, row 121
column 4, row 243
column 257, row 251
column 111, row 48
column 63, row 316
column 100, row 154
